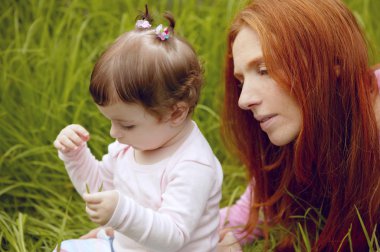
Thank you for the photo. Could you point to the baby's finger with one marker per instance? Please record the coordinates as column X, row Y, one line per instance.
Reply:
column 229, row 243
column 57, row 144
column 92, row 234
column 223, row 232
column 75, row 138
column 66, row 142
column 92, row 198
column 94, row 216
column 91, row 213
column 93, row 207
column 81, row 131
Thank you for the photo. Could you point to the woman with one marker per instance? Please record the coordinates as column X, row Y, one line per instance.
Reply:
column 302, row 112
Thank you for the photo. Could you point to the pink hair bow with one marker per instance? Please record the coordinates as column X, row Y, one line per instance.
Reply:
column 143, row 24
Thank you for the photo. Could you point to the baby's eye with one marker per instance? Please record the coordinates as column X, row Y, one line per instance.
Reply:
column 128, row 127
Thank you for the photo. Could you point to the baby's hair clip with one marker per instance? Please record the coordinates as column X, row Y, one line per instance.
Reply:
column 143, row 24
column 162, row 33
column 144, row 20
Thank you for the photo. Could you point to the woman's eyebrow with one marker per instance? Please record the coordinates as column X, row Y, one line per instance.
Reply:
column 255, row 62
column 252, row 63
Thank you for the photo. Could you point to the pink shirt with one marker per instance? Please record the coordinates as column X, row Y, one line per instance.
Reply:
column 377, row 74
column 172, row 205
column 237, row 216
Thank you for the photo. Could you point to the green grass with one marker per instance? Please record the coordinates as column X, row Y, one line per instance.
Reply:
column 47, row 51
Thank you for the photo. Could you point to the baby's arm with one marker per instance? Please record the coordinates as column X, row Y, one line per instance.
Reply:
column 80, row 164
column 170, row 227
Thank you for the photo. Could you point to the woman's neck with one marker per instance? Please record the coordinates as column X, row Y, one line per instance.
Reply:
column 167, row 149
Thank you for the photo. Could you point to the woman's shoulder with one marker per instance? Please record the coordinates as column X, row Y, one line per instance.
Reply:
column 377, row 100
column 377, row 75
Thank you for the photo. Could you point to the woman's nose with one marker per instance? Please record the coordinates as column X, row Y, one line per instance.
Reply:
column 248, row 98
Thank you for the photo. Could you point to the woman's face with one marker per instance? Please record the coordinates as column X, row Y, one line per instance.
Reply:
column 272, row 106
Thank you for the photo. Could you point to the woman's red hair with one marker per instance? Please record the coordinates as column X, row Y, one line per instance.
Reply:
column 316, row 51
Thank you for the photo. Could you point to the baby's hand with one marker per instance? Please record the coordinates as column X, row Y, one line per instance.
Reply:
column 94, row 233
column 71, row 137
column 101, row 205
column 228, row 243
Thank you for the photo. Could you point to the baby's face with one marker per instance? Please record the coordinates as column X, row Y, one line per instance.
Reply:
column 131, row 124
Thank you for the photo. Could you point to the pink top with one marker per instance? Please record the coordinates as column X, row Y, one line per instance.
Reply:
column 377, row 74
column 236, row 217
column 238, row 214
column 172, row 205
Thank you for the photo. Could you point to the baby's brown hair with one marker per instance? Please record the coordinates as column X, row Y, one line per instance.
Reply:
column 141, row 68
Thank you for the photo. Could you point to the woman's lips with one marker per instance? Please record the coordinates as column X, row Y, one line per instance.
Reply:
column 266, row 120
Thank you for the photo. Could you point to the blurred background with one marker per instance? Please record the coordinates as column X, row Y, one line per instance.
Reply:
column 47, row 51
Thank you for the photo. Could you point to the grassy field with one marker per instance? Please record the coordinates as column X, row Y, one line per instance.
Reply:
column 47, row 51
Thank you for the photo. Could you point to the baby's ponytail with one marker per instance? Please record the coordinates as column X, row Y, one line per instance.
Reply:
column 145, row 15
column 168, row 16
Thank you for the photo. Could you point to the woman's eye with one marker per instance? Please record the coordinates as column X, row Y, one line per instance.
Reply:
column 263, row 71
column 240, row 82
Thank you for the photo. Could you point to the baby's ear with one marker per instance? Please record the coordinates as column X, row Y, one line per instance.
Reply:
column 179, row 113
